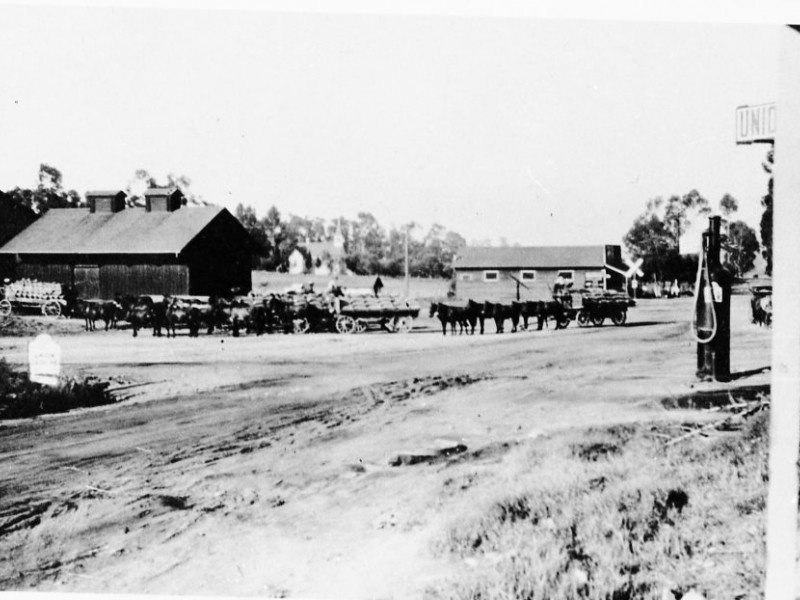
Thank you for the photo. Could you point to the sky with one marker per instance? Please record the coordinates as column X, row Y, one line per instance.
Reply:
column 530, row 130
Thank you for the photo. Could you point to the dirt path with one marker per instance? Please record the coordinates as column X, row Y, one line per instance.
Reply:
column 262, row 465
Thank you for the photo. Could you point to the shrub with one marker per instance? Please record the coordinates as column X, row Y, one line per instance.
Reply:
column 21, row 398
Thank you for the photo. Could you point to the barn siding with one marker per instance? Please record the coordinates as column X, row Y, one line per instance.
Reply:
column 56, row 272
column 505, row 288
column 143, row 279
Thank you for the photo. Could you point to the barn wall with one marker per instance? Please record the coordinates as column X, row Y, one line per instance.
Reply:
column 505, row 288
column 140, row 279
column 51, row 272
column 219, row 258
column 115, row 274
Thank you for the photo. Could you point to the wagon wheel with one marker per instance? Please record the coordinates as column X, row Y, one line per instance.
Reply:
column 5, row 308
column 301, row 325
column 403, row 324
column 361, row 325
column 597, row 321
column 619, row 318
column 563, row 322
column 583, row 319
column 345, row 324
column 51, row 309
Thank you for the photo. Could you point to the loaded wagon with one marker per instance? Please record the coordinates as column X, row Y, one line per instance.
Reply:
column 596, row 308
column 358, row 314
column 29, row 294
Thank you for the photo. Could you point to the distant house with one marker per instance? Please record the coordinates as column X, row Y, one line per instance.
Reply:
column 161, row 248
column 297, row 262
column 498, row 273
column 327, row 258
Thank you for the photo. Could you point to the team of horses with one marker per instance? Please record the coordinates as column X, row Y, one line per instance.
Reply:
column 466, row 318
column 166, row 314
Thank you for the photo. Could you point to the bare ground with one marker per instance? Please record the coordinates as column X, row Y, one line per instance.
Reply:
column 264, row 465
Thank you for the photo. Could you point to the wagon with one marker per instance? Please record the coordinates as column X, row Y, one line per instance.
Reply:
column 29, row 294
column 358, row 314
column 595, row 309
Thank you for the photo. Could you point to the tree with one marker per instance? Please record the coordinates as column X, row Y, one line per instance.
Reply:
column 766, row 216
column 679, row 210
column 742, row 247
column 728, row 205
column 650, row 239
column 48, row 194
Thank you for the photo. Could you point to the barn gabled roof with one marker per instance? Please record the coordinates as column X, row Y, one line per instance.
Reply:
column 531, row 257
column 129, row 231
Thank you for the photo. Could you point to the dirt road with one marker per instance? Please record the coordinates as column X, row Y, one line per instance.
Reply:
column 263, row 466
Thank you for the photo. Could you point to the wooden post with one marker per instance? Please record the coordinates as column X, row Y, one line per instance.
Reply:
column 785, row 409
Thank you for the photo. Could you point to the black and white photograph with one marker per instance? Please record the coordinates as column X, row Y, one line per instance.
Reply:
column 448, row 302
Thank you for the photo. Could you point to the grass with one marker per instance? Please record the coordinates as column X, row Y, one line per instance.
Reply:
column 618, row 515
column 21, row 398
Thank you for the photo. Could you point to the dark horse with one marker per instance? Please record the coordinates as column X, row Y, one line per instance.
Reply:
column 500, row 312
column 449, row 314
column 475, row 314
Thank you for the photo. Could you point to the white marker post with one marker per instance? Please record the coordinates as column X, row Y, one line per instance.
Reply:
column 44, row 360
column 784, row 429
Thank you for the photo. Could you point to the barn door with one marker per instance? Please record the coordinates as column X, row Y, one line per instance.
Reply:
column 87, row 281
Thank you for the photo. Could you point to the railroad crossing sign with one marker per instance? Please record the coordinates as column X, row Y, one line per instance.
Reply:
column 44, row 360
column 634, row 268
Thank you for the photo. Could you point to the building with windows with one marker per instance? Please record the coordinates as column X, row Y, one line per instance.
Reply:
column 531, row 272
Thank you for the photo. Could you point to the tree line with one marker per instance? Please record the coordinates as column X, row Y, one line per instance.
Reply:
column 369, row 248
column 655, row 234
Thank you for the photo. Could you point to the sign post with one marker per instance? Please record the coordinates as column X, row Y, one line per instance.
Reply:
column 784, row 421
column 44, row 360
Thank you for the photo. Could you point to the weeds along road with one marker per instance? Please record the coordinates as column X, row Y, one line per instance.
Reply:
column 261, row 465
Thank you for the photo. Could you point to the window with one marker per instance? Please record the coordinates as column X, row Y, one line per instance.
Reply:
column 465, row 277
column 491, row 275
column 568, row 275
column 527, row 275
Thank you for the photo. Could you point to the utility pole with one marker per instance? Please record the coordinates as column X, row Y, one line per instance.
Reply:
column 408, row 293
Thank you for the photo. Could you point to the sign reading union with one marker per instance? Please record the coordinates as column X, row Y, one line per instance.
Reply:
column 756, row 123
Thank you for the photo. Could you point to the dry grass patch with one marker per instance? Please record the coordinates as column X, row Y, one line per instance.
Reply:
column 617, row 515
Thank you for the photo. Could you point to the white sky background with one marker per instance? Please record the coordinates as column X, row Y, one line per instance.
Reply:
column 539, row 131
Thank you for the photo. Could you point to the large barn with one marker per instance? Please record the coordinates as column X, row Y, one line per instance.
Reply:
column 501, row 273
column 161, row 248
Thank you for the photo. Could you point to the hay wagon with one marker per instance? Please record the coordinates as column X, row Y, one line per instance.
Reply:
column 596, row 308
column 29, row 294
column 358, row 314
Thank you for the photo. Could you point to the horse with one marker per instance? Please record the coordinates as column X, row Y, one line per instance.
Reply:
column 475, row 315
column 92, row 310
column 235, row 312
column 146, row 311
column 500, row 312
column 449, row 314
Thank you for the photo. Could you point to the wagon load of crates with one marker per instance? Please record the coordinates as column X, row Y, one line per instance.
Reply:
column 356, row 314
column 42, row 296
column 305, row 309
column 596, row 308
